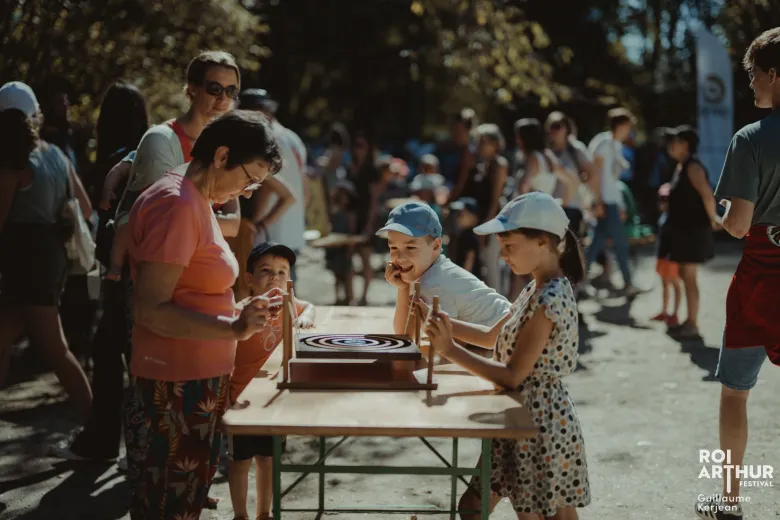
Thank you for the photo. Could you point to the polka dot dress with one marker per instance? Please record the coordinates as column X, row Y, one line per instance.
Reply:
column 548, row 472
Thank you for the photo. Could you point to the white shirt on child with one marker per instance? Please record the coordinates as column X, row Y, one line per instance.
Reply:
column 462, row 295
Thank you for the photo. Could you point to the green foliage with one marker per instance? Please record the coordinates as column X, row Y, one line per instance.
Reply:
column 401, row 68
column 741, row 21
column 493, row 49
column 397, row 68
column 91, row 43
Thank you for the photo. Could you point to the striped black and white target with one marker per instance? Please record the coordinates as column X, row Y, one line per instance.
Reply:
column 355, row 342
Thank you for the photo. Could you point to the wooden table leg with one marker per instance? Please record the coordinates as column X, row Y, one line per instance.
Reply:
column 454, row 481
column 322, row 478
column 277, row 477
column 484, row 479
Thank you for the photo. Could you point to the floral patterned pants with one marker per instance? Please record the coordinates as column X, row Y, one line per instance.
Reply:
column 173, row 438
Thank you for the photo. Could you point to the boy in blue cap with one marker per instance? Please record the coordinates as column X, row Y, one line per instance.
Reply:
column 414, row 236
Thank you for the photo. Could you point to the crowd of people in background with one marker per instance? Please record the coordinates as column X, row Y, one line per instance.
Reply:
column 468, row 179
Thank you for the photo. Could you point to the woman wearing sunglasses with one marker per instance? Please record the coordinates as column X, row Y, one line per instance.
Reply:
column 213, row 83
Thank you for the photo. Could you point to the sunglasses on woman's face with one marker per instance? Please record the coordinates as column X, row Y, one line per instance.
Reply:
column 215, row 89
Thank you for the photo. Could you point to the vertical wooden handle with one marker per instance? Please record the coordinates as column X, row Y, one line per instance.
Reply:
column 431, row 351
column 286, row 336
column 293, row 317
column 417, row 324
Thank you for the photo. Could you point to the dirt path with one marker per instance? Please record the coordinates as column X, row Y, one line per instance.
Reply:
column 646, row 402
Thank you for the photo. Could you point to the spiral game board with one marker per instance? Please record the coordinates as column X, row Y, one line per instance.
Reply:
column 357, row 346
column 351, row 361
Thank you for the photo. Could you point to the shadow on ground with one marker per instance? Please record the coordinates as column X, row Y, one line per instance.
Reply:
column 619, row 315
column 76, row 494
column 701, row 355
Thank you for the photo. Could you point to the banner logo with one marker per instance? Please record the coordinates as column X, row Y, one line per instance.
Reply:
column 713, row 89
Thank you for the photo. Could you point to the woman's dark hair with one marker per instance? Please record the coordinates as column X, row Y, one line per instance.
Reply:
column 245, row 133
column 122, row 122
column 530, row 132
column 18, row 137
column 339, row 135
column 571, row 260
column 361, row 135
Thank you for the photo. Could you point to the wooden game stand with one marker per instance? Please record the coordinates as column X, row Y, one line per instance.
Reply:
column 305, row 367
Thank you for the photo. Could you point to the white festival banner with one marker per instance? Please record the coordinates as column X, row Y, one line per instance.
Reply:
column 715, row 101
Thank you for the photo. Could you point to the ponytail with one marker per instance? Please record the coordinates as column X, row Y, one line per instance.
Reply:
column 571, row 260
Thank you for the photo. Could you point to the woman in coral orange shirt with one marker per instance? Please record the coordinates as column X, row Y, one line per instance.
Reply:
column 185, row 330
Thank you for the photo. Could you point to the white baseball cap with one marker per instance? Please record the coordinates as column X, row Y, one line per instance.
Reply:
column 20, row 96
column 535, row 210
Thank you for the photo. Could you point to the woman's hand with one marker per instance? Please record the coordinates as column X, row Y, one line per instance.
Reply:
column 439, row 331
column 256, row 312
column 393, row 275
column 113, row 178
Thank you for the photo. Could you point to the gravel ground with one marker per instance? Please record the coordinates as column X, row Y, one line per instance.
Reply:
column 647, row 404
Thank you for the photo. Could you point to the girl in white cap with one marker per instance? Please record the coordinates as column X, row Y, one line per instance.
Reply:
column 535, row 345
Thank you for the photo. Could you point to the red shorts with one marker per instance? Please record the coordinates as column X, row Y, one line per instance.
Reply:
column 752, row 304
column 667, row 270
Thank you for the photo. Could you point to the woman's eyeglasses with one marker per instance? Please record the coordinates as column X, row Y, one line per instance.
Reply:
column 253, row 184
column 215, row 89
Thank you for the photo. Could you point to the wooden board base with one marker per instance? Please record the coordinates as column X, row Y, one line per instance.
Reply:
column 358, row 374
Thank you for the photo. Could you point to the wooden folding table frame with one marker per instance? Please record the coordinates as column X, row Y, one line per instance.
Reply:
column 463, row 406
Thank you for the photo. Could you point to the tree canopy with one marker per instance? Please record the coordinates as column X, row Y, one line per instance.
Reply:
column 92, row 43
column 396, row 68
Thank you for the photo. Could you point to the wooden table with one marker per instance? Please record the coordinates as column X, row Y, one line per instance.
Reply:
column 463, row 406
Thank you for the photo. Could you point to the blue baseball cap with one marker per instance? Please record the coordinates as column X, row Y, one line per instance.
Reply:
column 415, row 219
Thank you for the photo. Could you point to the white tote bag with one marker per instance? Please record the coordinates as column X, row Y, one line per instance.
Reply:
column 79, row 246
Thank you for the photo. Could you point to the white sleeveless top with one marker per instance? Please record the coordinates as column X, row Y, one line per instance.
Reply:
column 544, row 180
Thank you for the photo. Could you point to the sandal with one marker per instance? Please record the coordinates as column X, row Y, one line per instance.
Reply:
column 211, row 503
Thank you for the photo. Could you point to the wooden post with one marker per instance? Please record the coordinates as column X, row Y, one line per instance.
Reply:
column 417, row 324
column 431, row 351
column 287, row 338
column 293, row 317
